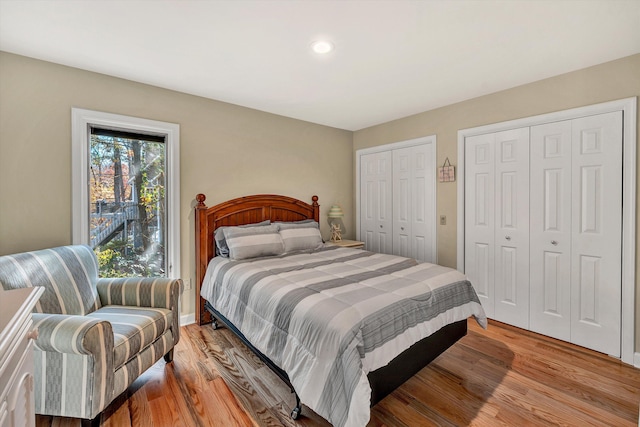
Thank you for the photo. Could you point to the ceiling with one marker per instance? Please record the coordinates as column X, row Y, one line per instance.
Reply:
column 391, row 59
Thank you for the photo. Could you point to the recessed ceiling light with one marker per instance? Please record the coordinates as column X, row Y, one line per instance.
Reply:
column 322, row 46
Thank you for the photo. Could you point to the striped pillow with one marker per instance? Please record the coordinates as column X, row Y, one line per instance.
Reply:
column 300, row 236
column 221, row 243
column 253, row 242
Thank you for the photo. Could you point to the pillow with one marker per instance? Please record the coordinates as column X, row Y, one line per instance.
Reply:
column 221, row 244
column 302, row 221
column 252, row 242
column 298, row 236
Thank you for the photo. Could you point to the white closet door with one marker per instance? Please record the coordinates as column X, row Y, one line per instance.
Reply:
column 512, row 227
column 375, row 203
column 423, row 226
column 413, row 195
column 479, row 217
column 402, row 201
column 596, row 237
column 550, row 230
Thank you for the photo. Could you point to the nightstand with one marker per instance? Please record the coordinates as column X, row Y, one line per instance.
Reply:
column 349, row 244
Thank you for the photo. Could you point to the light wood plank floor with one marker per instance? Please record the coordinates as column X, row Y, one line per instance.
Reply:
column 503, row 376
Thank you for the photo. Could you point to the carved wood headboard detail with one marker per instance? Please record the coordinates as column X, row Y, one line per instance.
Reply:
column 240, row 211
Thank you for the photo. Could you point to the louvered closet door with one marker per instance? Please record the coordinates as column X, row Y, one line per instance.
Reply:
column 596, row 232
column 375, row 204
column 512, row 227
column 413, row 220
column 479, row 217
column 550, row 230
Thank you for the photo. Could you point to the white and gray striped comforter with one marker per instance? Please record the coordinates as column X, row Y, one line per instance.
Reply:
column 330, row 316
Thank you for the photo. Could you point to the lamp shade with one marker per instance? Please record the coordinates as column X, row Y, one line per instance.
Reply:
column 335, row 212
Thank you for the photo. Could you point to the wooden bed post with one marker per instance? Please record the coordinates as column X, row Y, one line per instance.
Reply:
column 202, row 257
column 316, row 209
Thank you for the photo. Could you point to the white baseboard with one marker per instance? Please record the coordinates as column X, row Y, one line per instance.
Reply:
column 636, row 363
column 187, row 319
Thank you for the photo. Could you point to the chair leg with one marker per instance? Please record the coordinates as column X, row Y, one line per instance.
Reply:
column 91, row 423
column 169, row 356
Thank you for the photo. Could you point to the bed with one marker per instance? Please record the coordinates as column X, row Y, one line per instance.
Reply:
column 342, row 327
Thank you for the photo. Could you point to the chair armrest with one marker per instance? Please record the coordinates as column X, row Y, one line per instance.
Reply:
column 73, row 364
column 140, row 292
column 143, row 292
column 63, row 333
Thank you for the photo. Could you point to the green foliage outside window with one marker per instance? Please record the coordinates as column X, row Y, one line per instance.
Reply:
column 128, row 215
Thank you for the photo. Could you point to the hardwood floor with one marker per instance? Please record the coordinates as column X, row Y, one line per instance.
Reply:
column 503, row 376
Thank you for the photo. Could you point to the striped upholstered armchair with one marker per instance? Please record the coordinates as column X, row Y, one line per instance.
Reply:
column 96, row 336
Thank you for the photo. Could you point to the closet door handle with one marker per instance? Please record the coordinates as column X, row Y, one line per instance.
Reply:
column 554, row 242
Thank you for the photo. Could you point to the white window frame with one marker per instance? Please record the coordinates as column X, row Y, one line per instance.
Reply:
column 81, row 122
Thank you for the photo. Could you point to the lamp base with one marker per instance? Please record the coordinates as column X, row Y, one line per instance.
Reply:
column 336, row 233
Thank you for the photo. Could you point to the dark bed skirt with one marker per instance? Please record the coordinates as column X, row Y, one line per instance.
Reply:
column 386, row 379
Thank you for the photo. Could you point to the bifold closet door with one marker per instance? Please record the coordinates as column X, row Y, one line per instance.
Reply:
column 550, row 246
column 479, row 218
column 376, row 225
column 413, row 192
column 596, row 271
column 497, row 223
column 576, row 226
column 512, row 227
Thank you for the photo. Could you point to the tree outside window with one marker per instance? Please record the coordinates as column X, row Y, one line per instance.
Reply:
column 128, row 206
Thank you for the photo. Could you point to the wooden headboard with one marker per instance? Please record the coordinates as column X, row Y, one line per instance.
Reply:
column 240, row 211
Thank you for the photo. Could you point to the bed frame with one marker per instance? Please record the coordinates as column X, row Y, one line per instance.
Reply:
column 252, row 209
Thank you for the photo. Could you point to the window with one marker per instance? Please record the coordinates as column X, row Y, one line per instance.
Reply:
column 125, row 193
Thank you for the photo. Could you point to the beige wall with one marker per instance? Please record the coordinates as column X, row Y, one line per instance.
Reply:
column 226, row 151
column 229, row 151
column 606, row 82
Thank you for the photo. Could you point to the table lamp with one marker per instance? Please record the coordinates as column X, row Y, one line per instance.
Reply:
column 335, row 213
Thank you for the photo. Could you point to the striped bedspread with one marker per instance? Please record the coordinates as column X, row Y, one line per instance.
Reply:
column 330, row 316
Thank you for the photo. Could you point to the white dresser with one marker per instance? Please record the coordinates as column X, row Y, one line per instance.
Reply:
column 16, row 356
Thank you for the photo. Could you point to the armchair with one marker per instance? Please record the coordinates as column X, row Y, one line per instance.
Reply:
column 96, row 335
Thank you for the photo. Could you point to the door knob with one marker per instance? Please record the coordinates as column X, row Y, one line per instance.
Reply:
column 507, row 237
column 402, row 228
column 380, row 226
column 554, row 243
